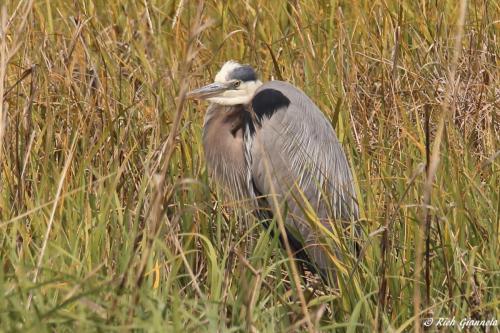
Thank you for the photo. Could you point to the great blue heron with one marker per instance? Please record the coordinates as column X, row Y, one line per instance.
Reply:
column 271, row 141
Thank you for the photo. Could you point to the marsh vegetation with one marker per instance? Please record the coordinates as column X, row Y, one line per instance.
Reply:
column 108, row 221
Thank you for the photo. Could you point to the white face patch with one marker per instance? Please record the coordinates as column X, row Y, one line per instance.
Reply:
column 243, row 94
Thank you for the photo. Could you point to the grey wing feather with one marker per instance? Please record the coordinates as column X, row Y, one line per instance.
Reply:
column 296, row 149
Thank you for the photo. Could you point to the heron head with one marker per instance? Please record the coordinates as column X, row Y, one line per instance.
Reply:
column 234, row 84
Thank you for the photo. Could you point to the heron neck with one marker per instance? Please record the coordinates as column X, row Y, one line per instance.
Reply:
column 223, row 141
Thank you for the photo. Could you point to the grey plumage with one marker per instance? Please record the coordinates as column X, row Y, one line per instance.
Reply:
column 271, row 140
column 303, row 155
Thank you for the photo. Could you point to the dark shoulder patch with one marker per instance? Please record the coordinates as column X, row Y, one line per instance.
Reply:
column 266, row 102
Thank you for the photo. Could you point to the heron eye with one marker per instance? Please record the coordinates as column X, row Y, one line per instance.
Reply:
column 237, row 84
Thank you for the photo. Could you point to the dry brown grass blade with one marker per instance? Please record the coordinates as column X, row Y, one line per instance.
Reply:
column 3, row 72
column 60, row 185
column 158, row 198
column 434, row 163
column 281, row 226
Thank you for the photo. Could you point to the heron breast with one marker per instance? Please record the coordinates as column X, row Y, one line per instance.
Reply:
column 223, row 141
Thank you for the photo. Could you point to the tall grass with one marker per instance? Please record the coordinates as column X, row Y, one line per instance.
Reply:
column 108, row 221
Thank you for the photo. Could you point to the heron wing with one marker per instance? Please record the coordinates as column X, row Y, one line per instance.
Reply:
column 297, row 159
